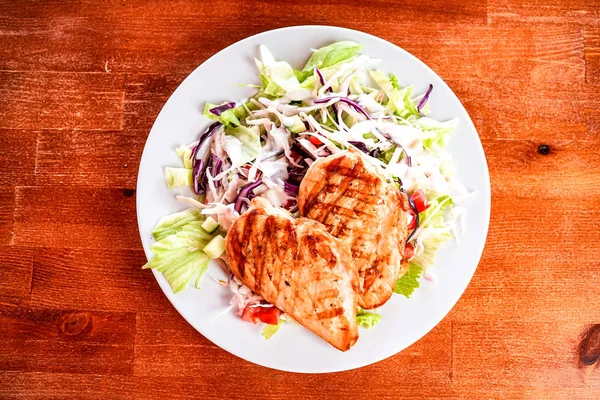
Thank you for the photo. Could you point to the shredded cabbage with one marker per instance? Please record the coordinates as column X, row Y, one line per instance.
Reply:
column 176, row 177
column 185, row 153
column 242, row 144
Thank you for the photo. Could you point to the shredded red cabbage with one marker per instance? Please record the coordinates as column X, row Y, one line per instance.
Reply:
column 246, row 193
column 412, row 206
column 217, row 168
column 346, row 100
column 328, row 90
column 198, row 170
column 408, row 159
column 203, row 137
column 296, row 175
column 223, row 107
column 199, row 165
column 291, row 189
column 322, row 79
column 361, row 146
column 424, row 99
column 416, row 212
column 298, row 148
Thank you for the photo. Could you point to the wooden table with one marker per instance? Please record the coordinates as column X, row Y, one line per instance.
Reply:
column 81, row 83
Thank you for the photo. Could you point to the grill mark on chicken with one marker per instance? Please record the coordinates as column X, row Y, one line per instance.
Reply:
column 312, row 196
column 341, row 188
column 285, row 228
column 246, row 233
column 270, row 228
column 328, row 293
column 300, row 269
column 351, row 192
column 357, row 205
column 330, row 313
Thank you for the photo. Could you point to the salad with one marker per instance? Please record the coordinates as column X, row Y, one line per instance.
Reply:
column 264, row 145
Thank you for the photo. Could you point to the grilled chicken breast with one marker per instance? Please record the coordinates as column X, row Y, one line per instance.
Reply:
column 353, row 200
column 296, row 265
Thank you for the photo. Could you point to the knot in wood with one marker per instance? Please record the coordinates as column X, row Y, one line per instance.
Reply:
column 75, row 323
column 589, row 347
column 544, row 149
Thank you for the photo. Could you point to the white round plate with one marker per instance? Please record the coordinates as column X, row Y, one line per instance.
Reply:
column 294, row 348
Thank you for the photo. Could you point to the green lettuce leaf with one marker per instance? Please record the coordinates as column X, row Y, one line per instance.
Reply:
column 437, row 132
column 394, row 82
column 171, row 224
column 178, row 248
column 242, row 144
column 367, row 319
column 207, row 112
column 355, row 87
column 407, row 284
column 180, row 266
column 241, row 110
column 399, row 100
column 295, row 124
column 227, row 117
column 191, row 236
column 434, row 231
column 176, row 177
column 386, row 156
column 277, row 77
column 269, row 330
column 185, row 154
column 330, row 55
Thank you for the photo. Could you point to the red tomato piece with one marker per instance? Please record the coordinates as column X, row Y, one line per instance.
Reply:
column 250, row 314
column 420, row 200
column 409, row 251
column 269, row 315
column 255, row 314
column 315, row 141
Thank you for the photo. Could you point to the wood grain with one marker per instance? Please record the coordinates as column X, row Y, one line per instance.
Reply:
column 81, row 217
column 429, row 372
column 59, row 100
column 145, row 95
column 18, row 157
column 49, row 385
column 96, row 158
column 546, row 11
column 7, row 214
column 477, row 53
column 65, row 276
column 16, row 269
column 514, row 110
column 532, row 355
column 569, row 167
column 38, row 340
column 81, row 83
column 592, row 54
column 138, row 36
column 166, row 328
